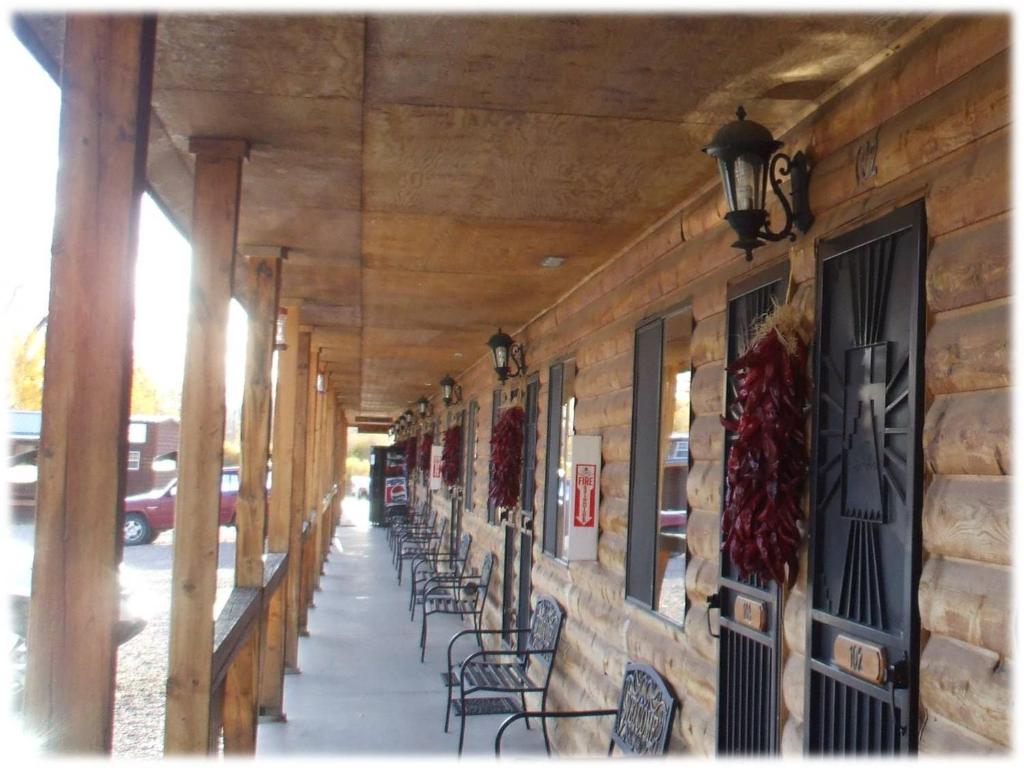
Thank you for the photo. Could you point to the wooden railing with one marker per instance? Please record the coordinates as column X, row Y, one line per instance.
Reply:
column 239, row 637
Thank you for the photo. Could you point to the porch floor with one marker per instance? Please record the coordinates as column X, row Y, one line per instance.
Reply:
column 362, row 688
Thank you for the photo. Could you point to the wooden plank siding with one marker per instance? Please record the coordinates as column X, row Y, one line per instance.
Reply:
column 938, row 110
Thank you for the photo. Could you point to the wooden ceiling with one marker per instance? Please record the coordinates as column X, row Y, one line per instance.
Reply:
column 420, row 167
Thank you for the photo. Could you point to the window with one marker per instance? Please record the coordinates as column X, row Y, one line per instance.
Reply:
column 495, row 415
column 470, row 440
column 656, row 546
column 529, row 486
column 561, row 428
column 134, row 460
column 137, row 432
column 229, row 482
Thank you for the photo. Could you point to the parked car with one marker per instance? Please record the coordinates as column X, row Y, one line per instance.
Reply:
column 148, row 514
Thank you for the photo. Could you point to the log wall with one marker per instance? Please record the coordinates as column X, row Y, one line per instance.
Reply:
column 938, row 112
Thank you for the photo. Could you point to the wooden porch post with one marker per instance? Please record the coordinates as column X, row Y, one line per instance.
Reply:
column 258, row 285
column 281, row 524
column 300, row 425
column 105, row 88
column 218, row 179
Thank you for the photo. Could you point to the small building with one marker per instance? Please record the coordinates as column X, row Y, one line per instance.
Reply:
column 148, row 438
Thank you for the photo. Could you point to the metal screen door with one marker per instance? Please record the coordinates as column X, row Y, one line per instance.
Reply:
column 749, row 639
column 865, row 545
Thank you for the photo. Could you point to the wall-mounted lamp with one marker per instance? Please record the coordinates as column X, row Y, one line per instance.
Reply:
column 279, row 326
column 505, row 351
column 423, row 406
column 321, row 383
column 748, row 161
column 451, row 392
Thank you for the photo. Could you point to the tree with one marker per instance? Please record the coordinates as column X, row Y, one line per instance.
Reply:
column 25, row 390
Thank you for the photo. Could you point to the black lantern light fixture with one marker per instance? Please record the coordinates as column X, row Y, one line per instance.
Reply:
column 749, row 160
column 423, row 406
column 507, row 352
column 451, row 392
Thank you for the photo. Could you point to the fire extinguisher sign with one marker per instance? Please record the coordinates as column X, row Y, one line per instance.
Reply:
column 585, row 496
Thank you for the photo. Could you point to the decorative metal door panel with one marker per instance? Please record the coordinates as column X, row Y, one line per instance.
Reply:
column 523, row 613
column 865, row 550
column 750, row 610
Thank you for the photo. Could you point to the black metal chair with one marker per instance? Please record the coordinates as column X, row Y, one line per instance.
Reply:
column 411, row 547
column 419, row 523
column 436, row 567
column 465, row 597
column 483, row 670
column 643, row 720
column 416, row 518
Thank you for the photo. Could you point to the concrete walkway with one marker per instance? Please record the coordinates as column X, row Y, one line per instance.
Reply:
column 362, row 689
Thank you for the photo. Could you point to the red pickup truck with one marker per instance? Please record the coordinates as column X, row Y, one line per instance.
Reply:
column 147, row 514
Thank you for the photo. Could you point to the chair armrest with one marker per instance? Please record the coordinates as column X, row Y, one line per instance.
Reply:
column 474, row 632
column 523, row 715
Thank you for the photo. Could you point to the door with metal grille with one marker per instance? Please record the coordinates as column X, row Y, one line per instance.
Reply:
column 508, row 585
column 749, row 636
column 865, row 548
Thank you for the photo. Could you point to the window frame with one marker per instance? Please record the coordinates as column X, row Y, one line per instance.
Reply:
column 531, row 409
column 492, row 510
column 552, row 456
column 644, row 572
column 469, row 468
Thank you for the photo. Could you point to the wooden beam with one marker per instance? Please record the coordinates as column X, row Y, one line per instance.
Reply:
column 261, row 277
column 218, row 179
column 105, row 89
column 280, row 522
column 297, row 502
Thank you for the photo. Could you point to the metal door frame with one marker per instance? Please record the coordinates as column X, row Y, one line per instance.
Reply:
column 771, row 598
column 906, row 217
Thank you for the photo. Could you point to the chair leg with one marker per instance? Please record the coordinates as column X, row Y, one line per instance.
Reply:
column 448, row 709
column 423, row 635
column 544, row 726
column 522, row 698
column 462, row 724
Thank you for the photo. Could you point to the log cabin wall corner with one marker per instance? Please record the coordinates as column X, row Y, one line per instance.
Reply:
column 929, row 123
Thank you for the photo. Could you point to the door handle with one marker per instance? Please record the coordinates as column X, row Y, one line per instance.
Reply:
column 713, row 603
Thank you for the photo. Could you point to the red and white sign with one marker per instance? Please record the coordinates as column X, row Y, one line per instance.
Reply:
column 585, row 490
column 435, row 467
column 584, row 513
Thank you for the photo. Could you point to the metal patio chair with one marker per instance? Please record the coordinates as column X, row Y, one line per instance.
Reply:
column 487, row 671
column 438, row 567
column 420, row 521
column 643, row 719
column 411, row 547
column 465, row 597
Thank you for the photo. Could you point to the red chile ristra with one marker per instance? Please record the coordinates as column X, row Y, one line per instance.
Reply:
column 767, row 463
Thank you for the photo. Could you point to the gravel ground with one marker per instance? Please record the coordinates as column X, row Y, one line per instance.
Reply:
column 142, row 661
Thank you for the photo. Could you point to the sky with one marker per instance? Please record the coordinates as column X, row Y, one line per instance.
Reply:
column 163, row 266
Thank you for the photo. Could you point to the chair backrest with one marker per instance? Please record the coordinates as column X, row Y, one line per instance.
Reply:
column 646, row 710
column 462, row 553
column 435, row 544
column 484, row 582
column 545, row 629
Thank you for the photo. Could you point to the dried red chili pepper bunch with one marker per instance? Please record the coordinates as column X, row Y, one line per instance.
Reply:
column 768, row 461
column 423, row 458
column 507, row 458
column 409, row 446
column 450, row 455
